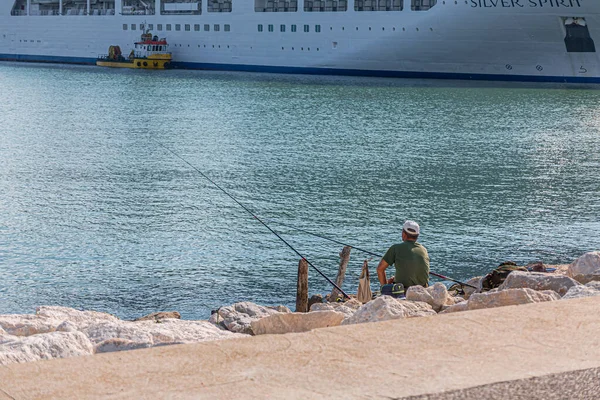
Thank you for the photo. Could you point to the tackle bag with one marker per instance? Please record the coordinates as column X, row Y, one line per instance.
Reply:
column 393, row 289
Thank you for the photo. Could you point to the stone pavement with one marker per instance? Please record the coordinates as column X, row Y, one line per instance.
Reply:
column 502, row 350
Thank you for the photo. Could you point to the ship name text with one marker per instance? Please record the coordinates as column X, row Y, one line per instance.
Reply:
column 525, row 3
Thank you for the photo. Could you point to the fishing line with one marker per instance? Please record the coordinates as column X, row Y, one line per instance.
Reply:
column 253, row 215
column 362, row 250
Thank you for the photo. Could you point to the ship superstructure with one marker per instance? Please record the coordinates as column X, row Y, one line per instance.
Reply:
column 525, row 40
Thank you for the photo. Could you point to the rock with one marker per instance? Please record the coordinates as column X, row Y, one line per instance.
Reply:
column 27, row 325
column 67, row 326
column 79, row 318
column 238, row 317
column 44, row 347
column 296, row 322
column 315, row 299
column 112, row 345
column 586, row 268
column 436, row 296
column 348, row 308
column 536, row 266
column 509, row 297
column 151, row 333
column 159, row 316
column 538, row 281
column 419, row 293
column 474, row 282
column 385, row 308
column 588, row 290
column 462, row 306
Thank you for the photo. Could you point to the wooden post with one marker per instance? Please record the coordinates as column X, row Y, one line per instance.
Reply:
column 302, row 293
column 339, row 280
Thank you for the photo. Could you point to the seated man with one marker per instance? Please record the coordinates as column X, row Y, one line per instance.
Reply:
column 410, row 259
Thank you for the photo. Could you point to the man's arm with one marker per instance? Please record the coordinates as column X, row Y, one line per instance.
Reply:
column 381, row 271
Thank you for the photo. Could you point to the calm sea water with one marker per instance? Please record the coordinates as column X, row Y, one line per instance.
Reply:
column 96, row 214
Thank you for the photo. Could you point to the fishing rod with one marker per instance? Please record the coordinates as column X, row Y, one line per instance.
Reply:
column 253, row 215
column 362, row 250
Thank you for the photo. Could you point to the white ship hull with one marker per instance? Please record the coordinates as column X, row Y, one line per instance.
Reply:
column 517, row 40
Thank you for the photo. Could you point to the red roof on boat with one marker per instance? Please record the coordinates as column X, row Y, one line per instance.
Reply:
column 154, row 42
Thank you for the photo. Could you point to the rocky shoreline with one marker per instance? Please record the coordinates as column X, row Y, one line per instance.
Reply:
column 58, row 332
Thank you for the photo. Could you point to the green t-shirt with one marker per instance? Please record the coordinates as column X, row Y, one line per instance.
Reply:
column 411, row 261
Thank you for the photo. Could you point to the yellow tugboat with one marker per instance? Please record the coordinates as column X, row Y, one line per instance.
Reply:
column 150, row 53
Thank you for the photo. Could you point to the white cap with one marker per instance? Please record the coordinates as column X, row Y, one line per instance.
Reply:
column 411, row 227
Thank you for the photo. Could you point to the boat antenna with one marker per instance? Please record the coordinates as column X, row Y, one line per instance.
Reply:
column 252, row 214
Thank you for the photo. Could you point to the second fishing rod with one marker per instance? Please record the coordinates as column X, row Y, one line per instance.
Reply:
column 362, row 250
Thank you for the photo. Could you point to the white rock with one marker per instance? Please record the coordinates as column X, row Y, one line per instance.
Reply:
column 296, row 322
column 238, row 317
column 67, row 326
column 586, row 268
column 27, row 325
column 112, row 345
column 510, row 297
column 473, row 282
column 151, row 333
column 436, row 296
column 385, row 307
column 588, row 290
column 538, row 281
column 462, row 306
column 419, row 293
column 348, row 308
column 79, row 318
column 44, row 347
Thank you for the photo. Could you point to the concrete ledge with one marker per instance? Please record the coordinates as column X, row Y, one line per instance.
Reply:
column 393, row 359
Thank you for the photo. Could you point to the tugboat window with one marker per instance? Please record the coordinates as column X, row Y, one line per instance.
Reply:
column 206, row 27
column 293, row 28
column 578, row 39
column 227, row 28
column 196, row 27
column 133, row 27
column 282, row 28
column 151, row 27
column 187, row 27
column 260, row 28
column 124, row 27
column 217, row 28
column 159, row 27
column 168, row 27
column 270, row 28
column 177, row 27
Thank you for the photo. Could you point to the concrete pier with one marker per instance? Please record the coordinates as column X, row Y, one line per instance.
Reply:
column 475, row 354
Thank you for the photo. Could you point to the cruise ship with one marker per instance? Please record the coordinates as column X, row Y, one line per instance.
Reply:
column 508, row 40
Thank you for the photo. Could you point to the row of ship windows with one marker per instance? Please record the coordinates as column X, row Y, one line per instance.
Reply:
column 293, row 28
column 187, row 27
column 227, row 27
